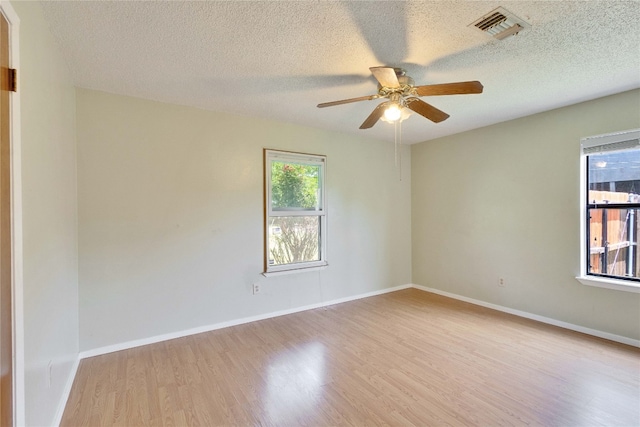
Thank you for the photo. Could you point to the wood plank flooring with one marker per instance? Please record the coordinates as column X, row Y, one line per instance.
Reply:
column 404, row 358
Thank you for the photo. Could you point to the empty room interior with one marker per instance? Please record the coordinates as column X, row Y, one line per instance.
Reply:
column 217, row 219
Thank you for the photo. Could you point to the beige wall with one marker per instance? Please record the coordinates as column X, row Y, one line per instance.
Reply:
column 170, row 218
column 49, row 217
column 503, row 201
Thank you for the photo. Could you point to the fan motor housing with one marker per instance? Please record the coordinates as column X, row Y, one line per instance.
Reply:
column 406, row 84
column 405, row 81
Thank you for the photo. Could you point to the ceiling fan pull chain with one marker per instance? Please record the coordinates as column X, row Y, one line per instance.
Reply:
column 399, row 125
column 395, row 142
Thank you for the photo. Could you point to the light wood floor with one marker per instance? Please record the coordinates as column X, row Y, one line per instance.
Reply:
column 404, row 358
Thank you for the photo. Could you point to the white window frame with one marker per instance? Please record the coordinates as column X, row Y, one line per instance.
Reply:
column 590, row 145
column 320, row 212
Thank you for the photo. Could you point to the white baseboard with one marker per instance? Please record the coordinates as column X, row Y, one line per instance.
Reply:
column 207, row 328
column 66, row 392
column 548, row 320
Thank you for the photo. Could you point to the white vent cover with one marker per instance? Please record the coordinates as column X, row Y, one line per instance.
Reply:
column 500, row 23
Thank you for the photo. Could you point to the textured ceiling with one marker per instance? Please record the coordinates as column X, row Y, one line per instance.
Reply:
column 279, row 59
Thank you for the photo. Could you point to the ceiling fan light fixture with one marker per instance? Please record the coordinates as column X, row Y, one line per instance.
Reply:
column 393, row 112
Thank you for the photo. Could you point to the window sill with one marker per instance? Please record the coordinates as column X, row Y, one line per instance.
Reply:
column 600, row 282
column 295, row 271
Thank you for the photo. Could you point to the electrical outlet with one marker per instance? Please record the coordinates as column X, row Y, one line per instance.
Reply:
column 501, row 282
column 256, row 288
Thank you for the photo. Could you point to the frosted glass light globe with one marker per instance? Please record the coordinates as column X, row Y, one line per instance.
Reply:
column 392, row 113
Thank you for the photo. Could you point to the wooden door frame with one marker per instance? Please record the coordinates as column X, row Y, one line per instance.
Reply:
column 16, row 221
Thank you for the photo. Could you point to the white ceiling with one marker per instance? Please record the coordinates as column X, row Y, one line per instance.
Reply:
column 279, row 59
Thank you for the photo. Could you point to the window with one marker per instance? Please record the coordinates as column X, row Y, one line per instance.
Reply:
column 611, row 209
column 295, row 214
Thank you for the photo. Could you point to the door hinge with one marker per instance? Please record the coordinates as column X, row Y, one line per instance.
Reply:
column 13, row 80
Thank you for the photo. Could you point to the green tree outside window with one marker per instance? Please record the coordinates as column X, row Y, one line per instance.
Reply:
column 294, row 239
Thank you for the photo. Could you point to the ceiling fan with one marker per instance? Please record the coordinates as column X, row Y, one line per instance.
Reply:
column 399, row 88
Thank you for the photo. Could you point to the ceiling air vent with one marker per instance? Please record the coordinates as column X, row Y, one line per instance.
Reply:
column 500, row 23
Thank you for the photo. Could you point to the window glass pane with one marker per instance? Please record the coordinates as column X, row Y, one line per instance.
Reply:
column 294, row 239
column 613, row 238
column 614, row 177
column 295, row 186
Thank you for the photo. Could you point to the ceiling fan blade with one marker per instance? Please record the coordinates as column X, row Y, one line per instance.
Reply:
column 347, row 101
column 459, row 88
column 426, row 110
column 374, row 116
column 386, row 76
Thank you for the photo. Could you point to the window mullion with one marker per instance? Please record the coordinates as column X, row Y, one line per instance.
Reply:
column 613, row 205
